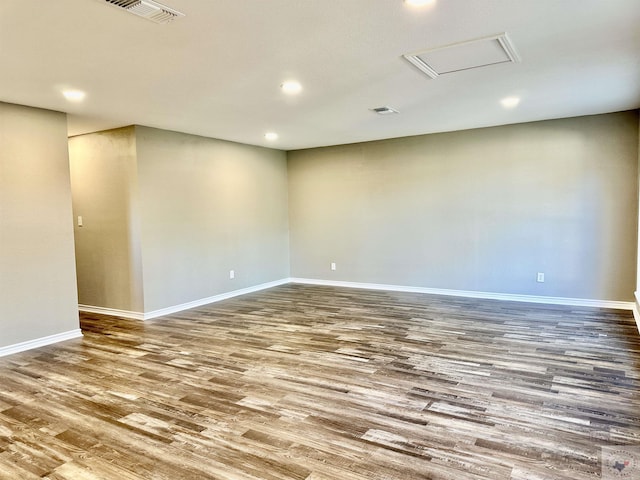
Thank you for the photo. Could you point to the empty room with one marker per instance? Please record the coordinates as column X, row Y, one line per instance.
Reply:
column 319, row 239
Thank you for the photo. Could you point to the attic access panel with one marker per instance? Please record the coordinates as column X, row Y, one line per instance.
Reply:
column 476, row 53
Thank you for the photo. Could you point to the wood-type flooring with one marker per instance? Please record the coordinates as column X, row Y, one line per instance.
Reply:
column 320, row 383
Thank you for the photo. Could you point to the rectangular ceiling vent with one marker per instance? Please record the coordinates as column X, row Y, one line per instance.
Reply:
column 384, row 110
column 476, row 53
column 154, row 11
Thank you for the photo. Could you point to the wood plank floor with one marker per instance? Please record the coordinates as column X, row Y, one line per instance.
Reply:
column 318, row 383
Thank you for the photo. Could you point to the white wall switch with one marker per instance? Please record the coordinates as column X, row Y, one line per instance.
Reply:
column 232, row 274
column 333, row 265
column 79, row 220
column 540, row 278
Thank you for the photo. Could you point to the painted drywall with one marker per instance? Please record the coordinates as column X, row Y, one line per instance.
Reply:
column 207, row 207
column 107, row 245
column 637, row 291
column 478, row 210
column 38, row 295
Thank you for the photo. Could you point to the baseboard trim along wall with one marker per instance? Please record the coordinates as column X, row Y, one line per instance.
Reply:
column 60, row 337
column 40, row 342
column 183, row 306
column 636, row 309
column 213, row 299
column 578, row 302
column 114, row 312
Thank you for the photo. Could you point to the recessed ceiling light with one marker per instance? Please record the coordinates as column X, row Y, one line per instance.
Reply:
column 74, row 95
column 291, row 87
column 271, row 136
column 510, row 102
column 419, row 3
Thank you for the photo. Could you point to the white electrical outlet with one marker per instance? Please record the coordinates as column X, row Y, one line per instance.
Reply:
column 540, row 278
column 333, row 265
column 79, row 220
column 232, row 274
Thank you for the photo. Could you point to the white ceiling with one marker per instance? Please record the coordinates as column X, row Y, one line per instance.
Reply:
column 216, row 72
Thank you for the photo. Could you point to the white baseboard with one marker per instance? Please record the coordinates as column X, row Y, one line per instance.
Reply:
column 636, row 309
column 579, row 302
column 182, row 306
column 111, row 311
column 40, row 342
column 213, row 299
column 60, row 337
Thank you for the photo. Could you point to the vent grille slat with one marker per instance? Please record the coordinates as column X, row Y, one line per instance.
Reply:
column 143, row 9
column 163, row 16
column 149, row 9
column 123, row 3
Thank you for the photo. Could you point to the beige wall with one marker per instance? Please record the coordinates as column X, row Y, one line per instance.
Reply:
column 104, row 185
column 37, row 272
column 209, row 206
column 637, row 292
column 167, row 215
column 480, row 210
column 475, row 210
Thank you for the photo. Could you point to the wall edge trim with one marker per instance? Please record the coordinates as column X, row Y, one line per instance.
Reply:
column 114, row 312
column 213, row 299
column 578, row 302
column 40, row 342
column 636, row 309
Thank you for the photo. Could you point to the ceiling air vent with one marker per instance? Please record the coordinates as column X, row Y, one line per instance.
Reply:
column 154, row 11
column 476, row 53
column 384, row 110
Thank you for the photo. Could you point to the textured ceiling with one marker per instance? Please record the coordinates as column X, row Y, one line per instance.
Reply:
column 217, row 71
